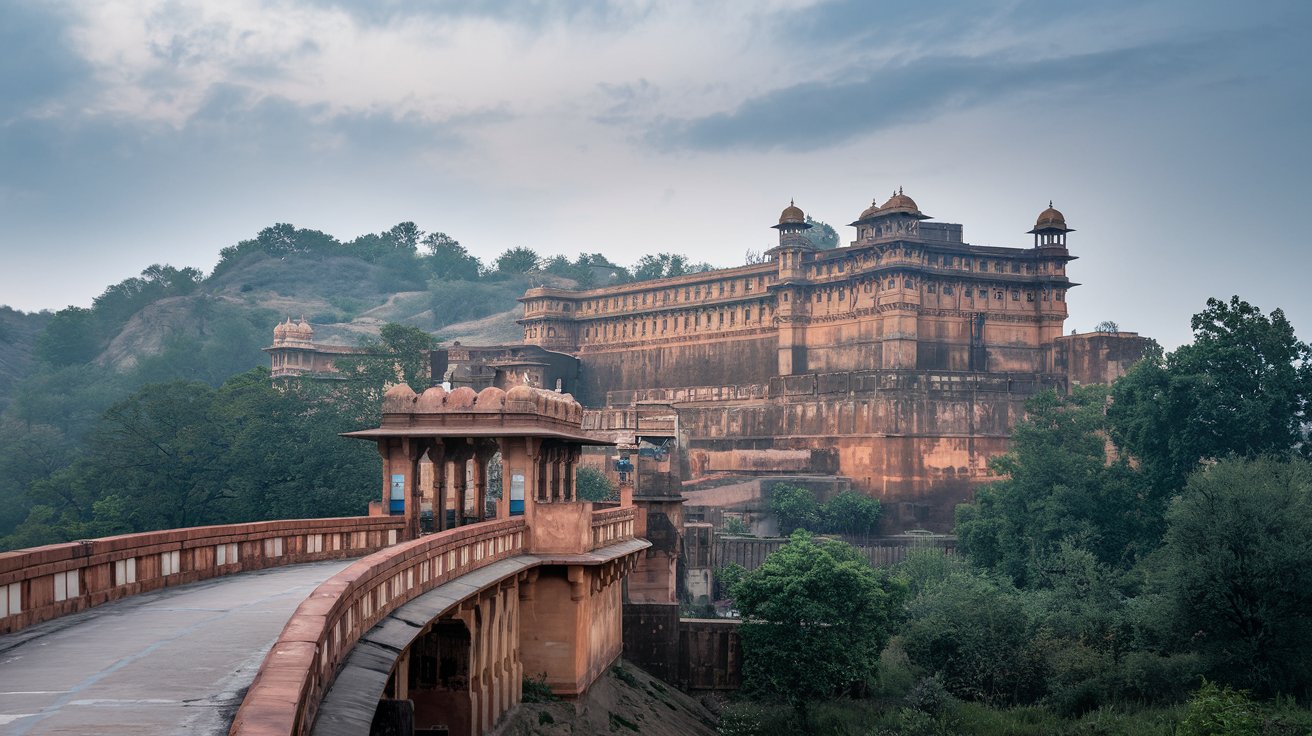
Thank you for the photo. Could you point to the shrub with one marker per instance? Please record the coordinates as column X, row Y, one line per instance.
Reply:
column 536, row 690
column 1220, row 711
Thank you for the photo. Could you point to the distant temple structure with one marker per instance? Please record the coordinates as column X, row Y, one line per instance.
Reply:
column 295, row 354
column 899, row 363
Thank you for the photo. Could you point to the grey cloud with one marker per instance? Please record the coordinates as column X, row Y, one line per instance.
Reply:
column 529, row 14
column 626, row 102
column 818, row 115
column 36, row 61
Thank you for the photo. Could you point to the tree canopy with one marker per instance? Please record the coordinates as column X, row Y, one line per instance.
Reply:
column 1237, row 572
column 1058, row 484
column 815, row 617
column 1240, row 388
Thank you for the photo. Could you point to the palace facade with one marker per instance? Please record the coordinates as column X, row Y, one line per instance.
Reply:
column 899, row 362
column 906, row 295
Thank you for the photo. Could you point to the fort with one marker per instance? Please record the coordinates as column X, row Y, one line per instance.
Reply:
column 896, row 366
column 898, row 363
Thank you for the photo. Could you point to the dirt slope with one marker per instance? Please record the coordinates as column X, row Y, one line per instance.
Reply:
column 623, row 701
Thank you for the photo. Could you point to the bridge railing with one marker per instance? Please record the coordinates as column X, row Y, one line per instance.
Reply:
column 42, row 583
column 300, row 667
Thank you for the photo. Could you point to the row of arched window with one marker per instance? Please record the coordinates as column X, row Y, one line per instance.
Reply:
column 679, row 323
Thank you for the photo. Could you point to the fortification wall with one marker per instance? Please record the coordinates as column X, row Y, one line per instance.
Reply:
column 918, row 441
column 670, row 365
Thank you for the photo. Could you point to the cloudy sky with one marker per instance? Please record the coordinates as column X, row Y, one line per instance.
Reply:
column 1174, row 135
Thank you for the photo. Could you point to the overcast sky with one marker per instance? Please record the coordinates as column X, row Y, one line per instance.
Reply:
column 1173, row 135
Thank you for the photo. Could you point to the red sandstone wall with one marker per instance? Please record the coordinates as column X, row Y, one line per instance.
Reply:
column 722, row 362
column 920, row 442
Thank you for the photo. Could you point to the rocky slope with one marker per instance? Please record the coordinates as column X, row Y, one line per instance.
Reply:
column 625, row 700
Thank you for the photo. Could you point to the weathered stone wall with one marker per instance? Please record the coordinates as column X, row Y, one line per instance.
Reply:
column 1099, row 357
column 651, row 638
column 920, row 442
column 657, row 365
column 710, row 655
column 750, row 552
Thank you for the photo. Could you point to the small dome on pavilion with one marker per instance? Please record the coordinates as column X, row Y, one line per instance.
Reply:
column 490, row 399
column 792, row 215
column 399, row 399
column 1051, row 219
column 461, row 398
column 899, row 202
column 431, row 400
column 870, row 211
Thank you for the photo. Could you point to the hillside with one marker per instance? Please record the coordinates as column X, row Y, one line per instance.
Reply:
column 345, row 298
column 18, row 336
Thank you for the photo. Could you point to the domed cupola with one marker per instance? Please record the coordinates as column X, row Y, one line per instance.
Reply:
column 898, row 217
column 1050, row 229
column 793, row 243
column 900, row 202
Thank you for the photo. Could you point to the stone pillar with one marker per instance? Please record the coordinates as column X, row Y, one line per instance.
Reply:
column 437, row 454
column 483, row 454
column 401, row 470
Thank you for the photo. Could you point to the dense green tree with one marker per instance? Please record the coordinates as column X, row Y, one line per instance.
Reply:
column 161, row 450
column 794, row 507
column 851, row 512
column 448, row 260
column 592, row 485
column 181, row 453
column 821, row 234
column 518, row 260
column 1237, row 575
column 71, row 337
column 1241, row 388
column 1059, row 484
column 816, row 616
column 973, row 632
column 405, row 236
column 665, row 265
column 122, row 300
column 399, row 353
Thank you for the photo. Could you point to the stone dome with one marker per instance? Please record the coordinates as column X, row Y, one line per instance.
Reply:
column 460, row 398
column 399, row 399
column 431, row 400
column 1051, row 219
column 792, row 215
column 900, row 202
column 870, row 211
column 490, row 399
column 519, row 399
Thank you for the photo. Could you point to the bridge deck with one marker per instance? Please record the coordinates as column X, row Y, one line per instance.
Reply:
column 173, row 661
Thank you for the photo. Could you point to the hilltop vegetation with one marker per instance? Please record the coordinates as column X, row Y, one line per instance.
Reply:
column 80, row 385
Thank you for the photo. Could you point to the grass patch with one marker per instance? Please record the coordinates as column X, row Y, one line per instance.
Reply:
column 625, row 676
column 618, row 721
column 536, row 690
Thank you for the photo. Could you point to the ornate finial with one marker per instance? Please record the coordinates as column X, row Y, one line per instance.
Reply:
column 791, row 202
column 899, row 190
column 1050, row 204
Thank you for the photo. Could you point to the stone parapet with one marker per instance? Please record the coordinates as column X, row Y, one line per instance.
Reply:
column 303, row 663
column 43, row 583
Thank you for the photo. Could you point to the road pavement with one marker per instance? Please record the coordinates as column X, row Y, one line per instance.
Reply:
column 173, row 661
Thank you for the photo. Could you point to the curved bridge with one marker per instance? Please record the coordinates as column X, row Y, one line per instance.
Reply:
column 448, row 621
column 430, row 633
